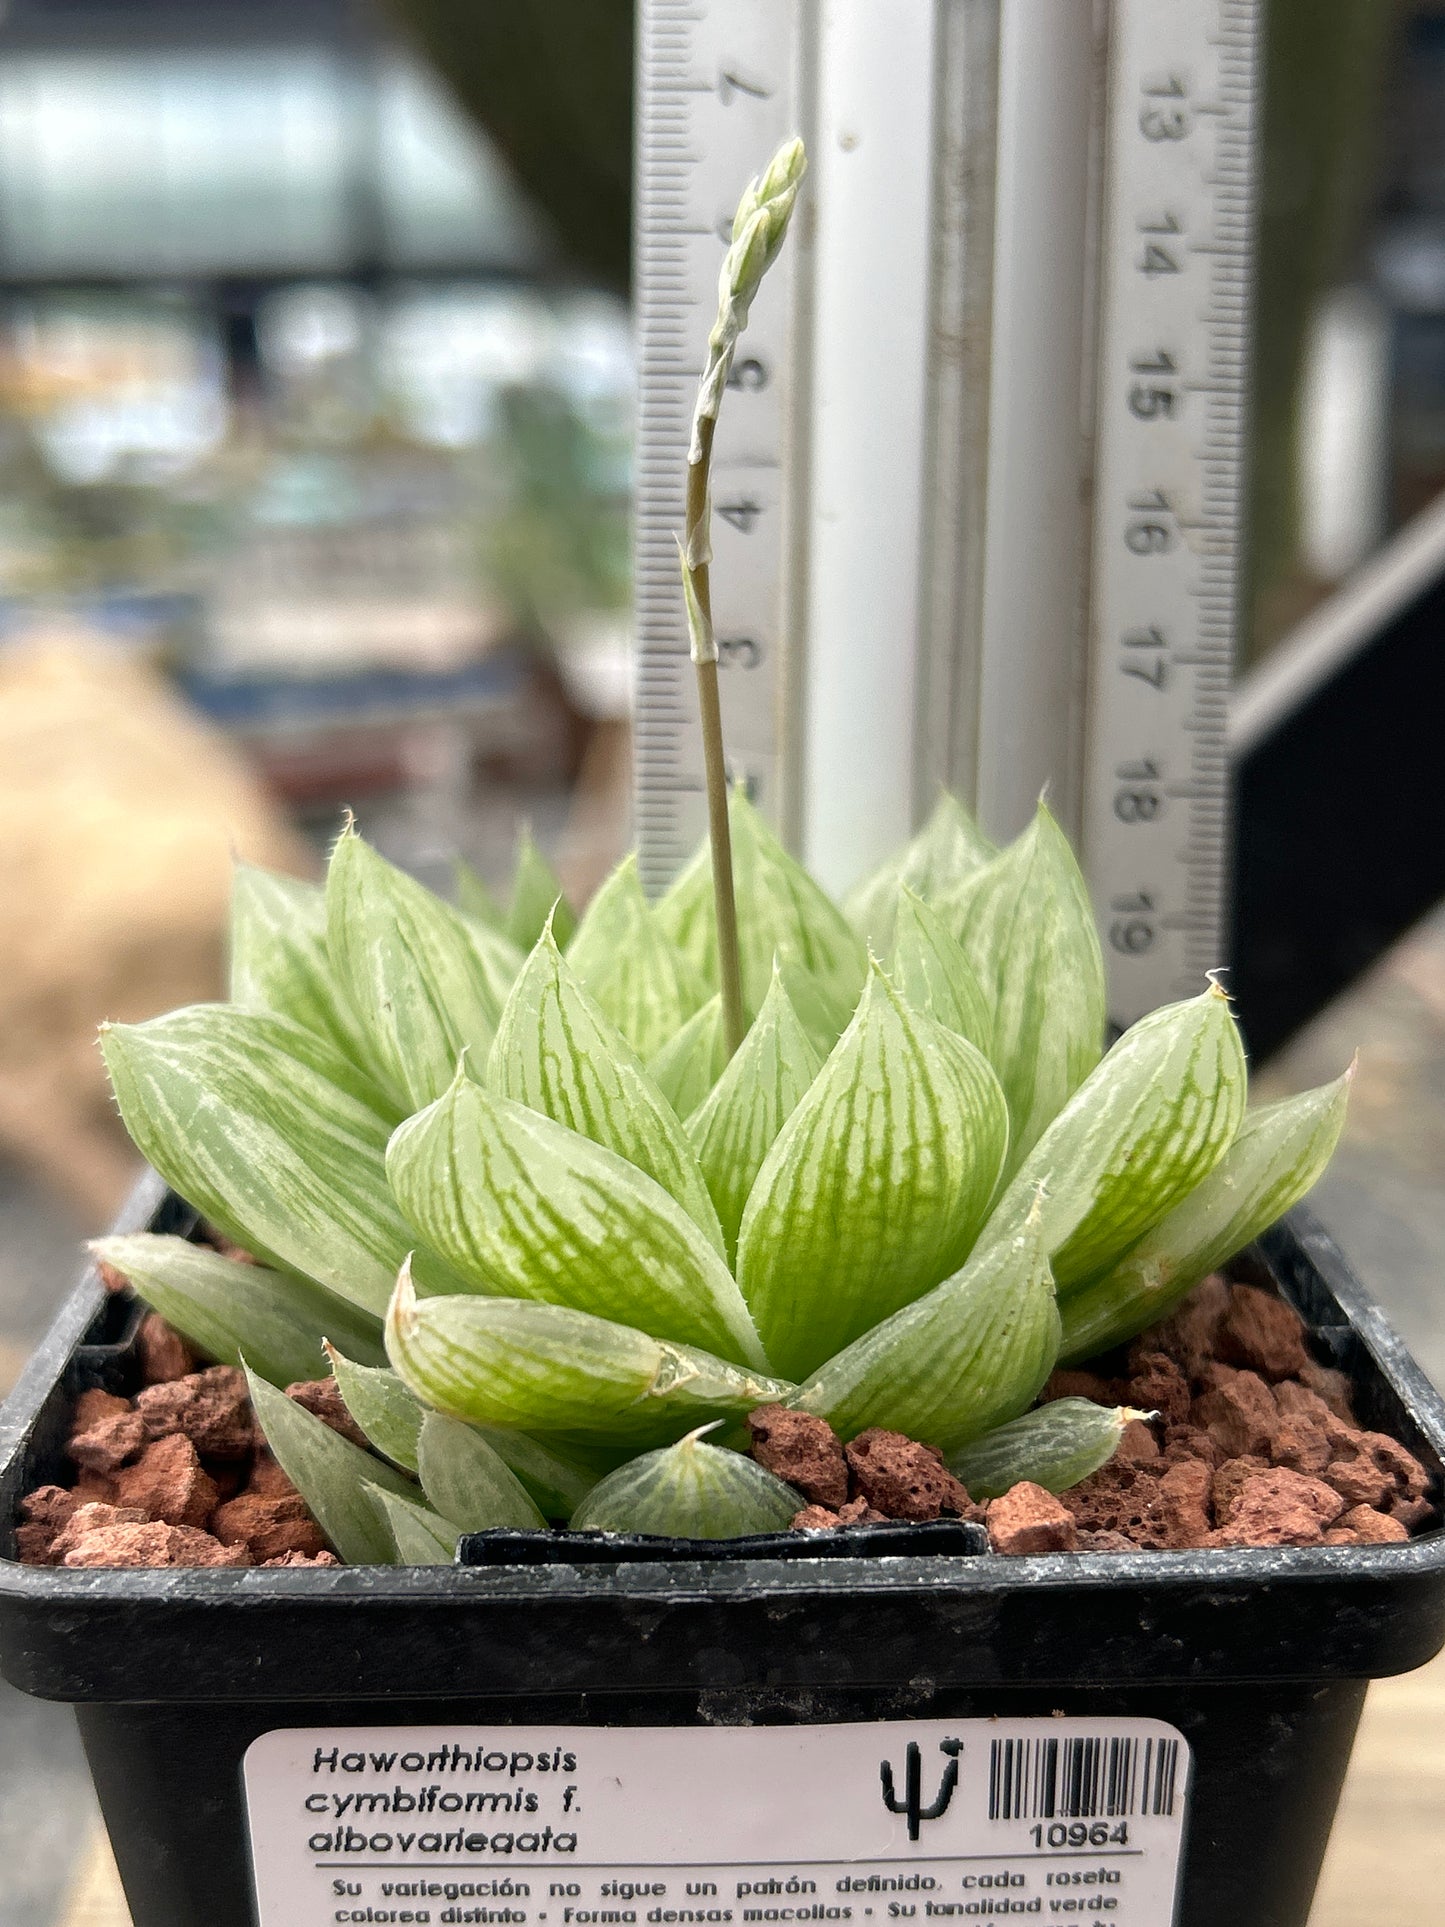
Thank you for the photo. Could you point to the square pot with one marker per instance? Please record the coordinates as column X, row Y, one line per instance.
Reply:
column 904, row 1641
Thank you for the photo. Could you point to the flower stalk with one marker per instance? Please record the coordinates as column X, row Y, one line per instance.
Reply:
column 759, row 226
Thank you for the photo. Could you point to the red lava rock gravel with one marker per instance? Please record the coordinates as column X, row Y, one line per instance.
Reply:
column 802, row 1449
column 1251, row 1442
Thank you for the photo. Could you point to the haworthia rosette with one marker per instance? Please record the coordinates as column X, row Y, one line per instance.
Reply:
column 557, row 1053
column 1153, row 1119
column 1277, row 1155
column 945, row 853
column 225, row 1307
column 550, row 1370
column 960, row 1361
column 421, row 1537
column 468, row 1482
column 738, row 1122
column 1055, row 1447
column 412, row 971
column 692, row 1060
column 877, row 1184
column 1026, row 925
column 525, row 1208
column 331, row 1474
column 381, row 1405
column 624, row 957
column 691, row 1490
column 537, row 899
column 930, row 969
column 234, row 1109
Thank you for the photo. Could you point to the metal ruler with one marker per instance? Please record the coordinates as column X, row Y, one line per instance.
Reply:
column 978, row 478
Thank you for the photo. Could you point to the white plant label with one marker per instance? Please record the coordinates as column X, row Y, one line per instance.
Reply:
column 909, row 1821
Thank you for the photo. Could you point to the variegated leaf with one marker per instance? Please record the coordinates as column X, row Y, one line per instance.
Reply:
column 381, row 1405
column 236, row 1111
column 413, row 972
column 686, row 914
column 421, row 1537
column 1055, row 1447
column 331, row 1474
column 514, row 1364
column 1027, row 928
column 692, row 1061
column 932, row 972
column 822, row 1014
column 877, row 1184
column 225, row 1307
column 739, row 1121
column 556, row 1052
column 525, row 1208
column 536, row 898
column 945, row 853
column 1278, row 1154
column 972, row 1353
column 623, row 957
column 690, row 1490
column 279, row 960
column 782, row 914
column 469, row 1483
column 1136, row 1137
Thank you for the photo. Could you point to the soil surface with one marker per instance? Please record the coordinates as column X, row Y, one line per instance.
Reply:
column 1252, row 1443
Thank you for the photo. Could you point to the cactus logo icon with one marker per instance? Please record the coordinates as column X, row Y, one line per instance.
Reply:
column 912, row 1801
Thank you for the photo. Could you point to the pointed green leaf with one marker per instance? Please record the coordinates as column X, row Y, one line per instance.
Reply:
column 381, row 1405
column 945, row 853
column 782, row 913
column 525, row 1208
column 498, row 959
column 972, row 1353
column 824, row 1016
column 558, row 1481
column 557, row 1053
column 235, row 1111
column 877, row 1184
column 637, row 975
column 1055, row 1447
column 279, row 960
column 1136, row 1137
column 475, row 898
column 536, row 897
column 690, row 1490
column 544, row 1368
column 421, row 1537
column 468, row 1482
column 412, row 970
column 739, row 1121
column 1027, row 928
column 692, row 1061
column 1278, row 1154
column 331, row 1474
column 686, row 914
column 225, row 1308
column 931, row 971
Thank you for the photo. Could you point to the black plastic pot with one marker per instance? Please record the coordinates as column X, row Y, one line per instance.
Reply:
column 1258, row 1659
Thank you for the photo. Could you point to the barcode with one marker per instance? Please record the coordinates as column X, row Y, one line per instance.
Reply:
column 1081, row 1779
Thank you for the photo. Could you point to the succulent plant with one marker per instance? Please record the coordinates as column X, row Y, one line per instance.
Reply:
column 559, row 1205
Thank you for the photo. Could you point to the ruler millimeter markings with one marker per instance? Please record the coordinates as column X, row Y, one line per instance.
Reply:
column 1176, row 236
column 1148, row 636
column 717, row 91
